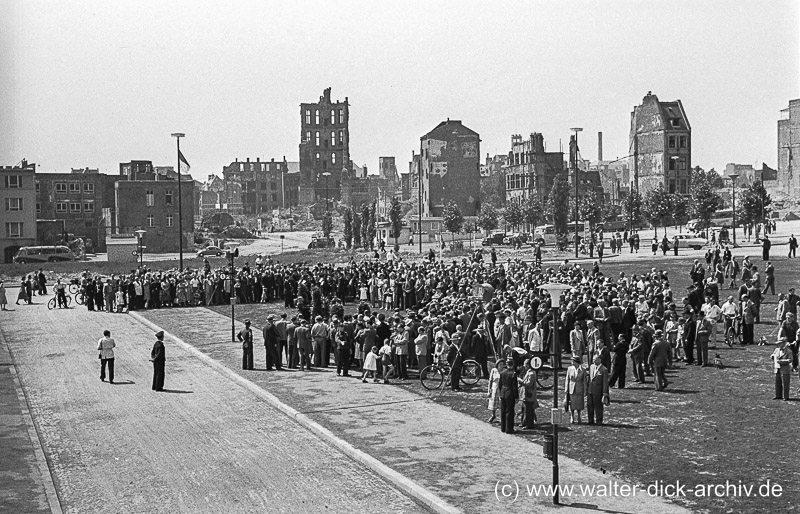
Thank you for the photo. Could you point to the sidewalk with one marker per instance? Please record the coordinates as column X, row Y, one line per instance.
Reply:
column 461, row 460
column 206, row 444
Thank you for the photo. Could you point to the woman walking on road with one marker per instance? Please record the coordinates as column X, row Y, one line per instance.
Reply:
column 23, row 292
column 158, row 358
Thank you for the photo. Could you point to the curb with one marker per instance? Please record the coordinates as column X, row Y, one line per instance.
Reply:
column 402, row 483
column 33, row 434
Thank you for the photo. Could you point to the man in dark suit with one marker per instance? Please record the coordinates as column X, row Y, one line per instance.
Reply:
column 508, row 392
column 659, row 358
column 598, row 391
column 271, row 344
column 158, row 358
column 689, row 335
column 246, row 337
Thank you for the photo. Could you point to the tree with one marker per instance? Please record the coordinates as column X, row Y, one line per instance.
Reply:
column 493, row 190
column 356, row 230
column 632, row 209
column 532, row 212
column 395, row 219
column 512, row 214
column 372, row 226
column 348, row 227
column 680, row 209
column 755, row 204
column 705, row 201
column 657, row 207
column 453, row 219
column 557, row 205
column 365, row 226
column 327, row 225
column 488, row 217
column 591, row 208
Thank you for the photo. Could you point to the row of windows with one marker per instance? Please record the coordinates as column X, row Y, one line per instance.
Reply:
column 517, row 181
column 151, row 220
column 272, row 185
column 681, row 165
column 14, row 229
column 62, row 207
column 74, row 187
column 12, row 181
column 318, row 141
column 677, row 141
column 150, row 197
column 259, row 166
column 274, row 198
column 332, row 118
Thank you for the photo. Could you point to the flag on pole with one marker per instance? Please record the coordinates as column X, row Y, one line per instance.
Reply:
column 184, row 164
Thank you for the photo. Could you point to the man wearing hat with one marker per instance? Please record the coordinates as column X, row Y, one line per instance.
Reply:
column 701, row 339
column 158, row 358
column 271, row 344
column 304, row 346
column 659, row 358
column 246, row 337
column 508, row 391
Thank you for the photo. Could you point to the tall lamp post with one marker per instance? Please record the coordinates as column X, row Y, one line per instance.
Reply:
column 575, row 170
column 733, row 177
column 178, row 136
column 326, row 175
column 140, row 236
column 555, row 290
column 232, row 254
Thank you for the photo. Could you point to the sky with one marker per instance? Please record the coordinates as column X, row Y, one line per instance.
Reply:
column 96, row 83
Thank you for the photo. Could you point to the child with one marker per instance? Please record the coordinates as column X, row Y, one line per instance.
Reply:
column 119, row 300
column 678, row 349
column 371, row 365
column 386, row 360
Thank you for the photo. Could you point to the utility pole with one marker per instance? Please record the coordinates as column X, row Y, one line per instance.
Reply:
column 575, row 171
column 178, row 136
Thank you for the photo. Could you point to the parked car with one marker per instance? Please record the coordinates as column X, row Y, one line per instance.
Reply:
column 212, row 251
column 688, row 240
column 28, row 254
column 497, row 238
column 510, row 237
column 322, row 242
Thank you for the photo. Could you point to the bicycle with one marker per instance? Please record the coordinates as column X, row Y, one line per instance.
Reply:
column 432, row 377
column 80, row 298
column 732, row 334
column 74, row 285
column 54, row 302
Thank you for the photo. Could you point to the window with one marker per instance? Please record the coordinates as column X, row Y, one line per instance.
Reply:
column 341, row 137
column 672, row 164
column 316, row 117
column 317, row 157
column 74, row 207
column 308, row 117
column 273, row 186
column 333, row 158
column 341, row 116
column 262, row 185
column 434, row 225
column 308, row 136
column 169, row 220
column 263, row 198
column 274, row 197
column 61, row 187
column 13, row 181
column 683, row 186
column 74, row 187
column 150, row 198
column 682, row 164
column 168, row 197
column 37, row 186
column 88, row 187
column 316, row 138
column 671, row 186
column 38, row 207
column 88, row 206
column 671, row 141
column 151, row 220
column 61, row 206
column 13, row 204
column 14, row 229
column 675, row 122
column 333, row 116
column 682, row 142
column 333, row 138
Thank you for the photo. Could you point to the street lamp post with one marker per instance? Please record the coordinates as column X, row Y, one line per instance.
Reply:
column 232, row 254
column 555, row 290
column 575, row 170
column 178, row 136
column 140, row 236
column 733, row 177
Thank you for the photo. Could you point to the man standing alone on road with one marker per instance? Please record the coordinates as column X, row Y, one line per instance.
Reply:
column 158, row 358
column 766, row 244
column 769, row 283
column 792, row 246
column 106, row 348
column 246, row 337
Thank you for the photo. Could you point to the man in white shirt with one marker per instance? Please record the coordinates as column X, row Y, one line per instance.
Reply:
column 713, row 313
column 729, row 310
column 106, row 348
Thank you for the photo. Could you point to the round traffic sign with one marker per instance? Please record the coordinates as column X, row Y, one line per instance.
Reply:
column 536, row 363
column 134, row 253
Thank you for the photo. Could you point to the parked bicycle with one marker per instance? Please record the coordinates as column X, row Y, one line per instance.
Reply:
column 432, row 377
column 53, row 302
column 733, row 333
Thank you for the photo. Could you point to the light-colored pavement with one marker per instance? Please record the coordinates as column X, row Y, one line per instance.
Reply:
column 464, row 461
column 205, row 445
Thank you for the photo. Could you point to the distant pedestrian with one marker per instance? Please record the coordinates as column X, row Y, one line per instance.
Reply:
column 106, row 347
column 782, row 360
column 792, row 246
column 3, row 299
column 158, row 358
column 246, row 337
column 766, row 244
column 675, row 245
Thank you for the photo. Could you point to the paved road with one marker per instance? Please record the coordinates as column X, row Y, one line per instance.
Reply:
column 456, row 457
column 206, row 445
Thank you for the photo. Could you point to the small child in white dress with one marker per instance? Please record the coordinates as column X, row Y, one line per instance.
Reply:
column 371, row 365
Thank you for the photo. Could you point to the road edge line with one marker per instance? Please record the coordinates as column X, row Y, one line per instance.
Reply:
column 398, row 480
column 50, row 492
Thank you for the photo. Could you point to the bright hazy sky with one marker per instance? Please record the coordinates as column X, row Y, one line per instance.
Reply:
column 98, row 83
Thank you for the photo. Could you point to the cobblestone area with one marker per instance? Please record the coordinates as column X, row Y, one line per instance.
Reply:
column 456, row 457
column 205, row 444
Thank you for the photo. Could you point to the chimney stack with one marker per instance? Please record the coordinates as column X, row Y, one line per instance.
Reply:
column 599, row 146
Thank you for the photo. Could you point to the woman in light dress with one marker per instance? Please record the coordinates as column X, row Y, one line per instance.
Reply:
column 494, row 386
column 575, row 389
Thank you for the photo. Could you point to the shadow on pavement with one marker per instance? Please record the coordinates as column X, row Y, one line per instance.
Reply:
column 126, row 382
column 176, row 391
